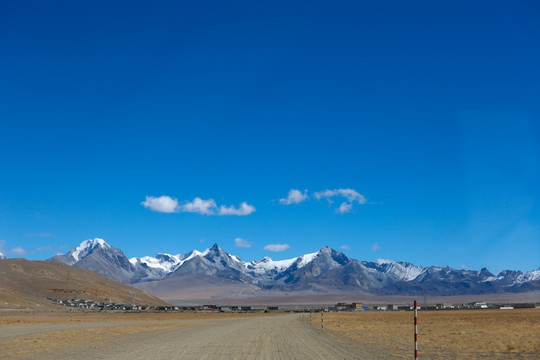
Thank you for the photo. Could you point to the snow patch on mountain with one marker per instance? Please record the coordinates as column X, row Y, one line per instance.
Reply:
column 532, row 275
column 306, row 259
column 164, row 262
column 167, row 263
column 2, row 256
column 402, row 271
column 266, row 264
column 528, row 276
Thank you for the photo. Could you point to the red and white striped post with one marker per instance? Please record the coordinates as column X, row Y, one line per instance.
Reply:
column 322, row 319
column 415, row 331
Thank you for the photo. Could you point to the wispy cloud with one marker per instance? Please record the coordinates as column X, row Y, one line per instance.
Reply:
column 239, row 242
column 295, row 196
column 167, row 204
column 52, row 248
column 18, row 251
column 351, row 196
column 40, row 235
column 276, row 247
column 163, row 204
column 344, row 208
column 375, row 247
column 345, row 247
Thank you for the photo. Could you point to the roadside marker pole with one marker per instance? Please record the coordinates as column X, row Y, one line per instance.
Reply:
column 322, row 319
column 415, row 331
column 309, row 315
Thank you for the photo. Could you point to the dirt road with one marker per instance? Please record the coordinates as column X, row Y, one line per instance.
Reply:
column 274, row 337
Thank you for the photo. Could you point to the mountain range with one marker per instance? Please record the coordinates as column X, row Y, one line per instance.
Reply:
column 219, row 273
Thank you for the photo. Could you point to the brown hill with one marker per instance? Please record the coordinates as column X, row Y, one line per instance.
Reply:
column 28, row 284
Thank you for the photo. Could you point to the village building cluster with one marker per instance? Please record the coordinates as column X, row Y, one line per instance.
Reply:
column 339, row 307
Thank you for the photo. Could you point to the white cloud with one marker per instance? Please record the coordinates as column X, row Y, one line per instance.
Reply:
column 350, row 195
column 244, row 209
column 239, row 242
column 375, row 247
column 345, row 247
column 276, row 247
column 18, row 251
column 295, row 196
column 163, row 204
column 199, row 206
column 167, row 204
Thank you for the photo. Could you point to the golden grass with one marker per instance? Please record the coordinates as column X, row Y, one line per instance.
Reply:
column 465, row 334
column 30, row 346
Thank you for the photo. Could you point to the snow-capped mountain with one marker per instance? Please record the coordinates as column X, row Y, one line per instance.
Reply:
column 83, row 250
column 326, row 270
column 2, row 256
column 98, row 256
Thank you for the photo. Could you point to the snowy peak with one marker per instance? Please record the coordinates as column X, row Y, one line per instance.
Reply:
column 222, row 259
column 326, row 258
column 2, row 256
column 215, row 252
column 87, row 246
column 84, row 249
column 96, row 255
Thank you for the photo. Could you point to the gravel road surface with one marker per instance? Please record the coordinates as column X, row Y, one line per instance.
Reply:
column 273, row 337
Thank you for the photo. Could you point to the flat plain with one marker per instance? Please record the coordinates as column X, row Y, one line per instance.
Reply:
column 464, row 334
column 449, row 334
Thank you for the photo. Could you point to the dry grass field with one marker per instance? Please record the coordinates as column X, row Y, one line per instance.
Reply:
column 462, row 334
column 64, row 317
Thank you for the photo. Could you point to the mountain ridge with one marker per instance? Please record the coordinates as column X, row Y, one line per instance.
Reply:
column 324, row 271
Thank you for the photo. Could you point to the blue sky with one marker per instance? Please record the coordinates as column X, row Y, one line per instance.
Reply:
column 420, row 121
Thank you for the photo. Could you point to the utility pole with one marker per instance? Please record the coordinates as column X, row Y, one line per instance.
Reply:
column 133, row 293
